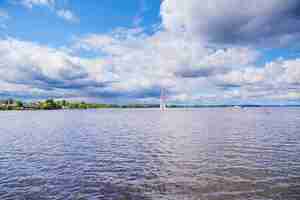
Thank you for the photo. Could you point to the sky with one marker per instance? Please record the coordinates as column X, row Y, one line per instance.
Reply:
column 111, row 51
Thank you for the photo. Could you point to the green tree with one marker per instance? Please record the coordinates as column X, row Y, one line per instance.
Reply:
column 19, row 104
column 50, row 104
column 64, row 103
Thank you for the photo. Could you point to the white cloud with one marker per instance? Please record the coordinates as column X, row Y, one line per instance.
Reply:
column 167, row 50
column 63, row 13
column 44, row 68
column 277, row 80
column 292, row 71
column 164, row 59
column 185, row 68
column 67, row 15
column 219, row 62
column 242, row 77
column 132, row 64
column 135, row 66
column 31, row 3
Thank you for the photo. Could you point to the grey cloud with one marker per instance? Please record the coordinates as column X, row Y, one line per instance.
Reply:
column 201, row 72
column 134, row 65
column 58, row 74
column 29, row 95
column 67, row 79
column 239, row 22
column 52, row 70
column 151, row 92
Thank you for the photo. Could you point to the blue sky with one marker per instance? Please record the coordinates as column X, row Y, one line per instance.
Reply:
column 208, row 52
column 40, row 23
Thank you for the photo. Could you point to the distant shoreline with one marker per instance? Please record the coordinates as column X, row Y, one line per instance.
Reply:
column 124, row 108
column 51, row 104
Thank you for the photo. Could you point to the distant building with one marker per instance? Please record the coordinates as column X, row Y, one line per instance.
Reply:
column 163, row 97
column 34, row 105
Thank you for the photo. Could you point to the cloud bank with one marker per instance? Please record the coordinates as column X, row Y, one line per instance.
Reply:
column 203, row 52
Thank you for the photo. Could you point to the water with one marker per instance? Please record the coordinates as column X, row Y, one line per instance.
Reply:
column 207, row 154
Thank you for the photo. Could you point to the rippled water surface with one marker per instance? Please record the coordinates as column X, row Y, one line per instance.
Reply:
column 213, row 154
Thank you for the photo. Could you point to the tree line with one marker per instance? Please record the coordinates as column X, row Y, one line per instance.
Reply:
column 51, row 104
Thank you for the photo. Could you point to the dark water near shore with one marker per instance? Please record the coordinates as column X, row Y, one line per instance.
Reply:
column 213, row 154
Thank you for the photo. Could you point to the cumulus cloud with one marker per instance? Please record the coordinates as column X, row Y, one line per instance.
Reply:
column 63, row 13
column 241, row 77
column 187, row 70
column 134, row 65
column 234, row 21
column 166, row 53
column 277, row 80
column 45, row 71
column 40, row 67
column 204, row 52
column 219, row 62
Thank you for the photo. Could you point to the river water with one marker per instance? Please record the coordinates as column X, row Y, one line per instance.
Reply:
column 119, row 154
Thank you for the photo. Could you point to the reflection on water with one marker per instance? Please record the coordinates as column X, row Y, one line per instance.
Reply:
column 146, row 154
